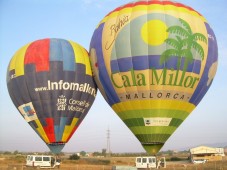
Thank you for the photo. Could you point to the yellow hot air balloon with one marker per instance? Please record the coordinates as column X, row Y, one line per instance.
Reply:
column 153, row 61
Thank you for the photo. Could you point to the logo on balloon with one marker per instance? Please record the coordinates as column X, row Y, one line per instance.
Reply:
column 157, row 121
column 73, row 104
column 61, row 103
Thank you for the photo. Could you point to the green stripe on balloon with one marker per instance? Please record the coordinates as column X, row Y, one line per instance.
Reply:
column 178, row 114
column 176, row 122
column 137, row 130
column 152, row 138
column 152, row 143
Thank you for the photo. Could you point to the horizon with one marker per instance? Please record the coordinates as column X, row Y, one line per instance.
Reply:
column 26, row 21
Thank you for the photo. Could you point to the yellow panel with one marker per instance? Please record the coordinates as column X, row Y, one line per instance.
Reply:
column 87, row 62
column 17, row 61
column 12, row 63
column 68, row 130
column 81, row 56
column 153, row 104
column 41, row 131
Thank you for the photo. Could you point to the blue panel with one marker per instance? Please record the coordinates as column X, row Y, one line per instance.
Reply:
column 68, row 56
column 140, row 63
column 61, row 50
column 55, row 50
column 96, row 43
column 212, row 57
column 58, row 130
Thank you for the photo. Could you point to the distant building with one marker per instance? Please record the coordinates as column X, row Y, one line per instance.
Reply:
column 207, row 153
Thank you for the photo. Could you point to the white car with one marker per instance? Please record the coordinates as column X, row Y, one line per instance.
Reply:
column 42, row 161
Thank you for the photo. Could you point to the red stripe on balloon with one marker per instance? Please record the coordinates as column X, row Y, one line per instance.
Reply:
column 38, row 53
column 49, row 129
column 130, row 5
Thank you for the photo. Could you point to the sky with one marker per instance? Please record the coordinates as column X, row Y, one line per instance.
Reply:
column 25, row 21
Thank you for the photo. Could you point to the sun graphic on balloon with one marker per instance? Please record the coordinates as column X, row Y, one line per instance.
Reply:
column 154, row 32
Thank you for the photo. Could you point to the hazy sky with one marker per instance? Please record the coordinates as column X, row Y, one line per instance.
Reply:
column 23, row 21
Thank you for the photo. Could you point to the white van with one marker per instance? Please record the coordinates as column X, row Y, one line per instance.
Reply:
column 150, row 162
column 42, row 161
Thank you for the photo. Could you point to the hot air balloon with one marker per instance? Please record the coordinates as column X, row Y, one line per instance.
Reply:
column 153, row 61
column 50, row 82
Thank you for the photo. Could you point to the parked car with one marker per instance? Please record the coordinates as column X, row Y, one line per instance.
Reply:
column 42, row 161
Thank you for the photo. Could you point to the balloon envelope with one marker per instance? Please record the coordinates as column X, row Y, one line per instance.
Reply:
column 50, row 82
column 153, row 62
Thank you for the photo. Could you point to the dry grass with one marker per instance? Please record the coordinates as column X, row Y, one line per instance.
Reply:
column 12, row 162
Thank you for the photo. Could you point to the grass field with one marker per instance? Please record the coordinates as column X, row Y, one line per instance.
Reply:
column 17, row 162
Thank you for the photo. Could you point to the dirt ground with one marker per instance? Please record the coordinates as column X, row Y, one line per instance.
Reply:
column 18, row 163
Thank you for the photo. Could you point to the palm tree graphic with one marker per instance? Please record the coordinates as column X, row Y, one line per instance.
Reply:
column 183, row 43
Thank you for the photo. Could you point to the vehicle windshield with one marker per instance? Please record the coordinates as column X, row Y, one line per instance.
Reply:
column 139, row 160
column 46, row 158
column 144, row 160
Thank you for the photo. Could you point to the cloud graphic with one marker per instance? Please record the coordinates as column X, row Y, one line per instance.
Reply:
column 212, row 72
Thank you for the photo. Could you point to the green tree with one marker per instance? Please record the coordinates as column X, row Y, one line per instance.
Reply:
column 97, row 154
column 15, row 152
column 183, row 43
column 74, row 157
column 104, row 152
column 83, row 153
column 7, row 153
